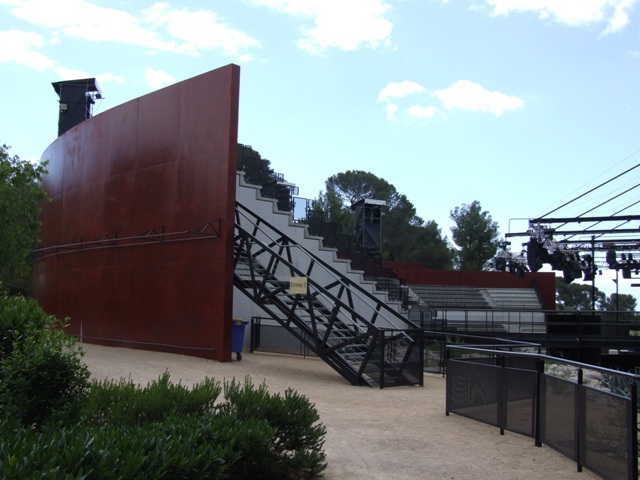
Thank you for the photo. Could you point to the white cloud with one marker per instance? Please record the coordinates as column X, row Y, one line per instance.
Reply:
column 82, row 19
column 346, row 25
column 615, row 13
column 392, row 109
column 422, row 113
column 620, row 17
column 157, row 78
column 462, row 95
column 396, row 90
column 467, row 95
column 70, row 73
column 198, row 30
column 158, row 27
column 110, row 78
column 22, row 48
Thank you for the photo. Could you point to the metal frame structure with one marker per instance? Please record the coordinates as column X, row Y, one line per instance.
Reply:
column 352, row 330
column 592, row 425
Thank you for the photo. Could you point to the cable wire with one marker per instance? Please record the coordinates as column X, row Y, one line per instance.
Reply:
column 588, row 192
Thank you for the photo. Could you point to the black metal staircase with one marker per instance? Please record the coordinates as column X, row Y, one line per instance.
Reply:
column 350, row 328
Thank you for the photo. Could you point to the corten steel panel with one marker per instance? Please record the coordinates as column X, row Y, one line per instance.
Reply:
column 163, row 162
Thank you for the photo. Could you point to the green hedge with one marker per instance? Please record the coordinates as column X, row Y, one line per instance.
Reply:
column 298, row 438
column 42, row 377
column 192, row 447
column 56, row 424
column 124, row 403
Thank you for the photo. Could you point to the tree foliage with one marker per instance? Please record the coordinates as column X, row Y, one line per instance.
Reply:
column 42, row 377
column 334, row 211
column 355, row 185
column 405, row 236
column 619, row 302
column 20, row 198
column 575, row 296
column 476, row 235
column 257, row 170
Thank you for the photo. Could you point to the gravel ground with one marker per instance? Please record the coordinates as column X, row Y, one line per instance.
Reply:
column 396, row 433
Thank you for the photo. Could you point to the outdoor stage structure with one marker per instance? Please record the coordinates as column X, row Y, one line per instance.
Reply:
column 154, row 239
column 137, row 240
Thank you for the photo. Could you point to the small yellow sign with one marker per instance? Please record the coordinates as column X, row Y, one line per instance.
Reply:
column 298, row 286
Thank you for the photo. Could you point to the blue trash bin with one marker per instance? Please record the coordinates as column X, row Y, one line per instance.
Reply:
column 237, row 337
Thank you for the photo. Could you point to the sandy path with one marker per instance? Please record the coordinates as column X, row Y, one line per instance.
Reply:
column 396, row 433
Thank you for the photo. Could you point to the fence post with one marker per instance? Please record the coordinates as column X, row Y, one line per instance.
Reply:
column 447, row 402
column 537, row 434
column 254, row 337
column 444, row 356
column 580, row 420
column 421, row 357
column 382, row 358
column 502, row 394
column 632, row 456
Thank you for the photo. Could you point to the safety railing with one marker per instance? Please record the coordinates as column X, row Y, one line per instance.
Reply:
column 338, row 319
column 585, row 412
column 268, row 335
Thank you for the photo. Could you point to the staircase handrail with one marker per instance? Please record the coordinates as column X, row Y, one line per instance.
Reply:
column 380, row 307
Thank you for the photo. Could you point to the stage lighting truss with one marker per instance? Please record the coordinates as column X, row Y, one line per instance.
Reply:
column 542, row 248
column 574, row 255
column 506, row 261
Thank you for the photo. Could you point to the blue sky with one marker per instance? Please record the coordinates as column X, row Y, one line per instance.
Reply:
column 519, row 104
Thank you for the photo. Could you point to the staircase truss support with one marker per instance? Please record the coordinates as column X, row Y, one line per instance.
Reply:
column 347, row 326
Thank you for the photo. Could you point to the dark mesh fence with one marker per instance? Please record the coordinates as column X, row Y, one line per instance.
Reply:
column 267, row 335
column 397, row 358
column 521, row 391
column 606, row 433
column 595, row 427
column 558, row 415
column 472, row 390
column 522, row 363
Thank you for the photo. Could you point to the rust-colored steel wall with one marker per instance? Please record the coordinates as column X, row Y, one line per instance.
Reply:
column 163, row 162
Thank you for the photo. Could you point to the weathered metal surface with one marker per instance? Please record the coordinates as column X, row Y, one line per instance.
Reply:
column 127, row 186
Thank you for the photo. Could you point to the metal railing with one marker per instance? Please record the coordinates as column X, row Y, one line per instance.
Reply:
column 617, row 330
column 585, row 412
column 338, row 319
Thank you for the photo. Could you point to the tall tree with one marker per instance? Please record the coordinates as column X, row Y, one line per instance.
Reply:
column 405, row 236
column 621, row 302
column 476, row 235
column 331, row 204
column 355, row 185
column 431, row 249
column 20, row 198
column 257, row 170
column 576, row 296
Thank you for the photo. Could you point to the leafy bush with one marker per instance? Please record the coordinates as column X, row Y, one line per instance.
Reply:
column 54, row 423
column 42, row 377
column 19, row 317
column 124, row 403
column 299, row 438
column 194, row 447
column 251, row 435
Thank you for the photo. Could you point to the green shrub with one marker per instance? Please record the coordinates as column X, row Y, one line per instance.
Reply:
column 54, row 423
column 195, row 447
column 299, row 438
column 251, row 435
column 42, row 377
column 124, row 403
column 18, row 317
